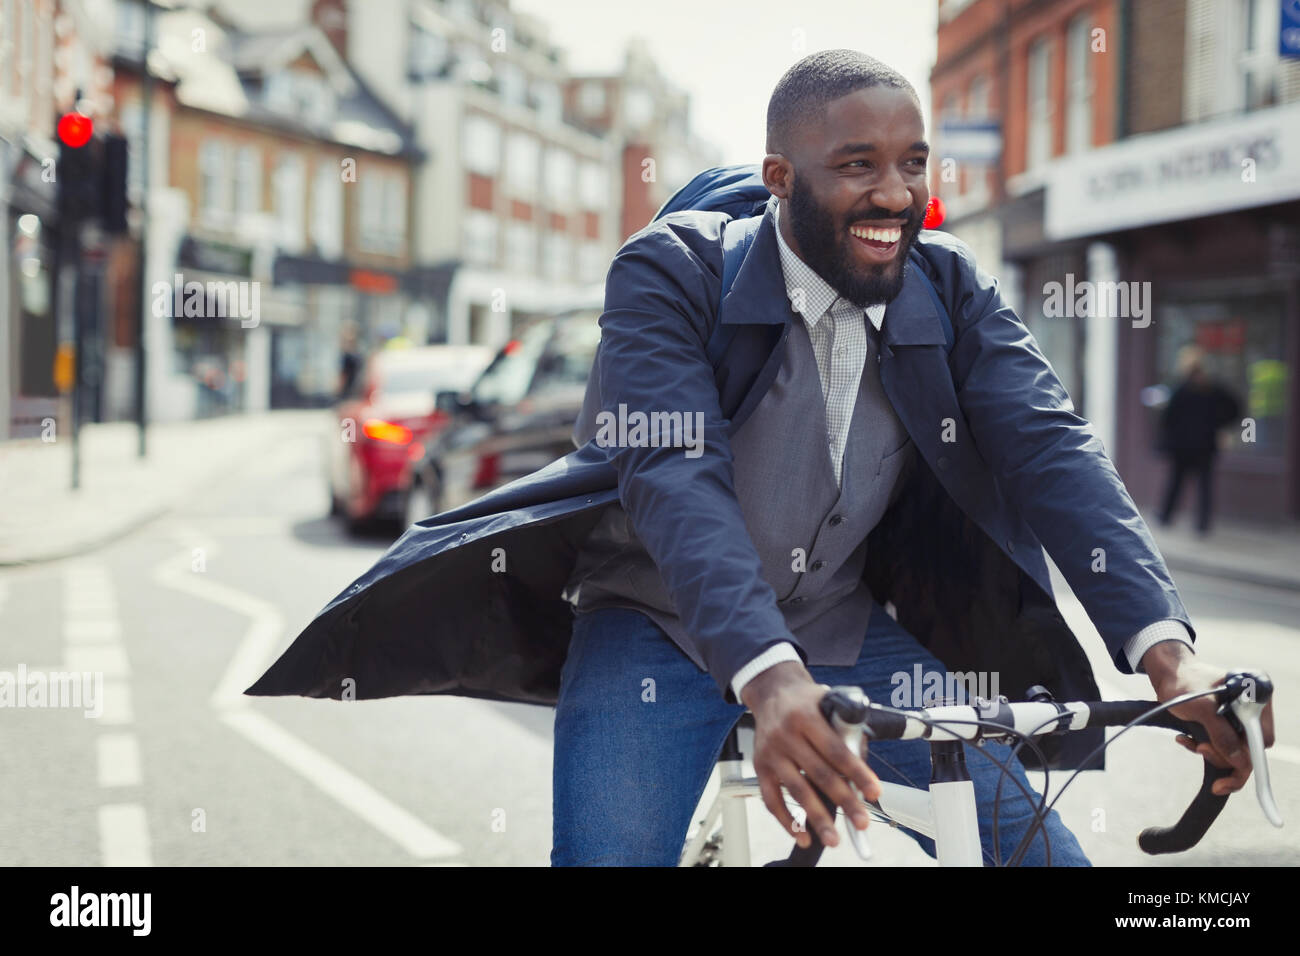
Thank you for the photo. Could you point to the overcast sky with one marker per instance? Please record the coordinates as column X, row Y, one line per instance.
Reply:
column 729, row 54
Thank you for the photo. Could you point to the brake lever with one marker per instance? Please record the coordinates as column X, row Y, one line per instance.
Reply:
column 1251, row 694
column 854, row 736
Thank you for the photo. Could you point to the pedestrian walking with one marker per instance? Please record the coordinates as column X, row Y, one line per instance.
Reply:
column 1189, row 434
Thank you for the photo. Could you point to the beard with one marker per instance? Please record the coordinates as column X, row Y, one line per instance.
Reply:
column 824, row 244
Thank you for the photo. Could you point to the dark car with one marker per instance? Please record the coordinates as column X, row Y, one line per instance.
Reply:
column 516, row 418
column 383, row 422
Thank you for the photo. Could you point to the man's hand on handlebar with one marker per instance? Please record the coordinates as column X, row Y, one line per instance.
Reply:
column 791, row 735
column 1174, row 670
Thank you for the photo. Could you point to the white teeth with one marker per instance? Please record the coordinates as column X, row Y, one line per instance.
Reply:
column 879, row 235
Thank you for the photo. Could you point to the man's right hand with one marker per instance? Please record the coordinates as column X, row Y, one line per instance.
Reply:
column 790, row 735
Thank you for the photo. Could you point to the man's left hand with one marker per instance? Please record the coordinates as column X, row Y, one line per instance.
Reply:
column 1174, row 670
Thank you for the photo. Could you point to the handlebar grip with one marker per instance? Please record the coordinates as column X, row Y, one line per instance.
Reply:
column 1200, row 813
column 1196, row 819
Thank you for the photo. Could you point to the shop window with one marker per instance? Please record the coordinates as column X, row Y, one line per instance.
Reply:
column 1039, row 142
column 215, row 182
column 1242, row 334
column 1060, row 337
column 1078, row 125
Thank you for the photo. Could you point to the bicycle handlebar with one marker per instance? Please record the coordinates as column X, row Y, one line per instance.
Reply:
column 1242, row 699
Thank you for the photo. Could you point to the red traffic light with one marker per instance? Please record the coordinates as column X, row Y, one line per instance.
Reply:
column 934, row 213
column 75, row 129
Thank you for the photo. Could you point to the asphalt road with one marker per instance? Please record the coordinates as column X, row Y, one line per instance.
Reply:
column 181, row 770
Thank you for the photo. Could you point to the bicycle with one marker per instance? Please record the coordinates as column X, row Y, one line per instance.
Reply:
column 946, row 812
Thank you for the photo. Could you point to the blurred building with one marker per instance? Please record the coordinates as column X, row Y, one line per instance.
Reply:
column 1088, row 147
column 649, row 121
column 55, row 55
column 532, row 177
column 296, row 181
column 429, row 170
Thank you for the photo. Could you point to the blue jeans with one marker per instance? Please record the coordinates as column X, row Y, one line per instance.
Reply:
column 638, row 729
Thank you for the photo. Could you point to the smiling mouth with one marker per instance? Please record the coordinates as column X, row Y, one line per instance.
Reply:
column 879, row 243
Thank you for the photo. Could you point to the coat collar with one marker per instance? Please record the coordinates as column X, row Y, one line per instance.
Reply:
column 758, row 295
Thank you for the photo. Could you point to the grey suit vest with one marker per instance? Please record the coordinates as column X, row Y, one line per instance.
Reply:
column 809, row 534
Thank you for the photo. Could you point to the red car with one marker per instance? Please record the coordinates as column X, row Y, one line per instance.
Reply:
column 382, row 425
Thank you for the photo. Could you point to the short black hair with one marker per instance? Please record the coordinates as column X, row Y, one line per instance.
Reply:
column 808, row 86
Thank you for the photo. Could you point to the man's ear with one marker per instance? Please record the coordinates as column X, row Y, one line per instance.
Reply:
column 778, row 175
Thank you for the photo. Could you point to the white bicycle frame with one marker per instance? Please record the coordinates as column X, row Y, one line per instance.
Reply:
column 945, row 813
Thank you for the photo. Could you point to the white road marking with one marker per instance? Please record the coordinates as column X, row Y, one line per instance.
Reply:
column 403, row 828
column 91, row 630
column 118, row 759
column 124, row 835
column 92, row 634
column 116, row 703
column 247, row 664
column 108, row 659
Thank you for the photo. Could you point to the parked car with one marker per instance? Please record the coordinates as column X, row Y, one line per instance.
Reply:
column 516, row 418
column 384, row 423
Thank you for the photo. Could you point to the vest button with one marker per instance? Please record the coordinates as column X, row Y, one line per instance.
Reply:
column 836, row 519
column 943, row 463
column 797, row 600
column 818, row 565
column 1011, row 546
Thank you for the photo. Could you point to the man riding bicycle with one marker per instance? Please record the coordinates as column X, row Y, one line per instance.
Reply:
column 748, row 567
column 868, row 492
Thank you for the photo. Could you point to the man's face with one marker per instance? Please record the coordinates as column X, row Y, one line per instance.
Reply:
column 858, row 193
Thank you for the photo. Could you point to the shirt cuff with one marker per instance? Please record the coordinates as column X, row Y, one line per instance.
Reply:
column 776, row 654
column 1171, row 629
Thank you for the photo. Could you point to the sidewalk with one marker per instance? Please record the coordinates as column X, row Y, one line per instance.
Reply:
column 42, row 518
column 1266, row 554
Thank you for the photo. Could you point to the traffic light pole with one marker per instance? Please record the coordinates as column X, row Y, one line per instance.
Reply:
column 79, row 307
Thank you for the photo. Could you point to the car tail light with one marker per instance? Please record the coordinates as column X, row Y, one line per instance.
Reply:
column 380, row 430
column 489, row 467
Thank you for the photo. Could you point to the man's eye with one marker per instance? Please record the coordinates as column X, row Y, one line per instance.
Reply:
column 856, row 161
column 919, row 161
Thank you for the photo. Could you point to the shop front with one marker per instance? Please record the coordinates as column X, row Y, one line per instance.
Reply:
column 29, row 336
column 1205, row 220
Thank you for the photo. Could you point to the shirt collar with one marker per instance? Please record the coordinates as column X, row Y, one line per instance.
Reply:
column 818, row 295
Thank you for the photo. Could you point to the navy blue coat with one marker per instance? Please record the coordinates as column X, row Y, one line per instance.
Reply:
column 960, row 553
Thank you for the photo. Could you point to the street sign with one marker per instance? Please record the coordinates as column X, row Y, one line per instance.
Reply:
column 1288, row 37
column 971, row 141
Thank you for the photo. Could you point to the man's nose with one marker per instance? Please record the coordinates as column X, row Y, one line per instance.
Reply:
column 891, row 193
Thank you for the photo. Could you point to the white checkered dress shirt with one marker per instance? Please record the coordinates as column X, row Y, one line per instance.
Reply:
column 839, row 340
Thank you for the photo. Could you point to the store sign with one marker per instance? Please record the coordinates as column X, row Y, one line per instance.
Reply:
column 1194, row 171
column 219, row 257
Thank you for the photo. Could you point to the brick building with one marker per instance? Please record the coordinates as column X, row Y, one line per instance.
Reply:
column 1152, row 149
column 294, row 180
